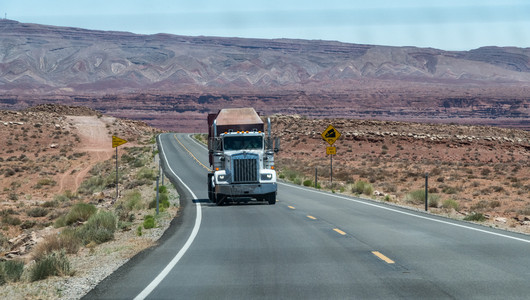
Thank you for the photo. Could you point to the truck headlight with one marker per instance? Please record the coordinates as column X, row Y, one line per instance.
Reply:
column 267, row 176
column 221, row 177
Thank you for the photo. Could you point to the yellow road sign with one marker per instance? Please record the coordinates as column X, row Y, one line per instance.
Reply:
column 116, row 141
column 331, row 150
column 330, row 135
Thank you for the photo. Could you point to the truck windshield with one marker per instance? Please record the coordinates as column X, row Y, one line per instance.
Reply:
column 243, row 143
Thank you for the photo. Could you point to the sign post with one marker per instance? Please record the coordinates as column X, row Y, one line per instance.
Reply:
column 331, row 135
column 116, row 142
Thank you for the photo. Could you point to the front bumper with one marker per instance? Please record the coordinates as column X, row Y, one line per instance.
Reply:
column 246, row 190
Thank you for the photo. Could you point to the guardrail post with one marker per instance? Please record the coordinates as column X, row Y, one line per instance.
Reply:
column 157, row 177
column 426, row 191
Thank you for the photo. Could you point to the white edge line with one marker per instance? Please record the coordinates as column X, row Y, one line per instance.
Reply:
column 409, row 214
column 148, row 289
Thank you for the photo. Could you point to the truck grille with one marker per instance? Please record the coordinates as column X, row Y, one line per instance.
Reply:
column 245, row 168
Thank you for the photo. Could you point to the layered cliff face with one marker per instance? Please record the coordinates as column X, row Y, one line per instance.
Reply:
column 315, row 78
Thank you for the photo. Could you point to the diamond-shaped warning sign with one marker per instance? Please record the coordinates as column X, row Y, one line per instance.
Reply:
column 330, row 135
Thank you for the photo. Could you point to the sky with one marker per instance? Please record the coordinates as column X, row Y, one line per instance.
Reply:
column 443, row 24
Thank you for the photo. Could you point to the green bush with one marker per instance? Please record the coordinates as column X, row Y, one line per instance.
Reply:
column 46, row 181
column 451, row 203
column 362, row 187
column 149, row 222
column 162, row 189
column 478, row 217
column 98, row 183
column 163, row 201
column 418, row 197
column 11, row 270
column 133, row 200
column 10, row 220
column 37, row 212
column 308, row 182
column 80, row 212
column 146, row 173
column 53, row 264
column 99, row 228
column 4, row 242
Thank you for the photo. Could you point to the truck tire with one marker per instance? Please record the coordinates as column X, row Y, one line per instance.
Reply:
column 271, row 198
column 220, row 199
column 211, row 195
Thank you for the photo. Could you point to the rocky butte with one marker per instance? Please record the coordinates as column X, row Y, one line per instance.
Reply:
column 172, row 81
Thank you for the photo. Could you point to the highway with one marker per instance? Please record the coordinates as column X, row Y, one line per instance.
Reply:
column 314, row 245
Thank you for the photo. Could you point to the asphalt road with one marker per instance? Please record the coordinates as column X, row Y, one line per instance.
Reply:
column 314, row 245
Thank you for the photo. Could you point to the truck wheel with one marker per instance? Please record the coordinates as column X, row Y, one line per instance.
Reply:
column 211, row 195
column 271, row 198
column 220, row 199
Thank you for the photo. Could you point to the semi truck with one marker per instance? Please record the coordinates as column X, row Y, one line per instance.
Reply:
column 241, row 157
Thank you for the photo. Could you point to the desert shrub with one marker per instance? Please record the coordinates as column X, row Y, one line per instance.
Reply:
column 80, row 212
column 97, row 183
column 434, row 200
column 162, row 189
column 482, row 204
column 308, row 182
column 49, row 204
column 416, row 197
column 60, row 222
column 67, row 241
column 133, row 160
column 362, row 187
column 149, row 222
column 494, row 204
column 45, row 182
column 53, row 264
column 163, row 201
column 478, row 217
column 37, row 212
column 450, row 203
column 449, row 189
column 137, row 182
column 485, row 172
column 12, row 196
column 4, row 242
column 11, row 220
column 133, row 200
column 66, row 196
column 99, row 228
column 497, row 188
column 146, row 173
column 11, row 270
column 27, row 224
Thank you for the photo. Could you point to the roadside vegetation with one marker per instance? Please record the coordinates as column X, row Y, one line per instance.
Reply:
column 474, row 172
column 91, row 216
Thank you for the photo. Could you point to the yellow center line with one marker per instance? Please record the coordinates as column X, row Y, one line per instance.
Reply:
column 311, row 217
column 382, row 257
column 191, row 154
column 339, row 231
column 291, row 207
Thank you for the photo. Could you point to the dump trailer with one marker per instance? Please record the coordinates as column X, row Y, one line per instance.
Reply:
column 241, row 157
